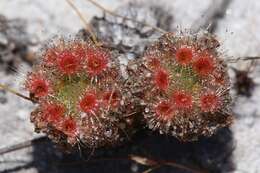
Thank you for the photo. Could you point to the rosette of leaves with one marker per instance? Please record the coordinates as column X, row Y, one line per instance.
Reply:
column 184, row 84
column 78, row 87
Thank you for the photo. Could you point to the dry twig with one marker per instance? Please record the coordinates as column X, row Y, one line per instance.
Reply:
column 249, row 58
column 4, row 87
column 22, row 145
column 105, row 10
column 84, row 21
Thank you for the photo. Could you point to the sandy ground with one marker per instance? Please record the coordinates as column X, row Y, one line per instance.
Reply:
column 240, row 37
column 238, row 31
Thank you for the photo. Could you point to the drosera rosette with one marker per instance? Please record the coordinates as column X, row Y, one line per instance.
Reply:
column 79, row 90
column 185, row 85
column 38, row 85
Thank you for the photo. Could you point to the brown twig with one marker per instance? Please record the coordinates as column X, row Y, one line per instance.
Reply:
column 4, row 87
column 84, row 21
column 182, row 167
column 158, row 163
column 209, row 20
column 234, row 60
column 152, row 169
column 152, row 163
column 22, row 145
column 105, row 10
